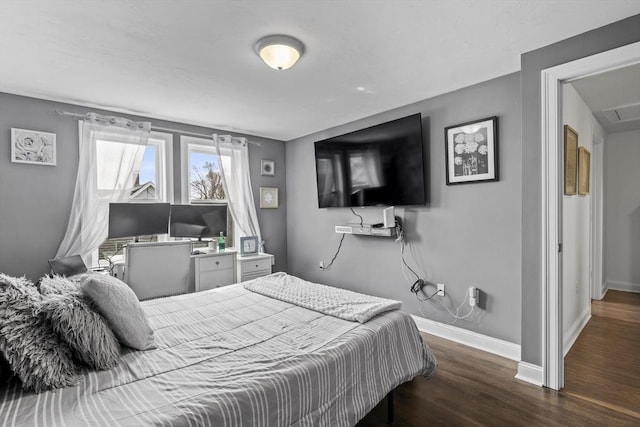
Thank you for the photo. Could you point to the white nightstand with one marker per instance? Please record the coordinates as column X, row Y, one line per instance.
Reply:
column 212, row 270
column 254, row 266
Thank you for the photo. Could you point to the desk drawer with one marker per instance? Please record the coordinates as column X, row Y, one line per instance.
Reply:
column 215, row 279
column 256, row 266
column 215, row 263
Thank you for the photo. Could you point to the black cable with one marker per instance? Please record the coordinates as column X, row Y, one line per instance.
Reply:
column 361, row 219
column 407, row 265
column 336, row 254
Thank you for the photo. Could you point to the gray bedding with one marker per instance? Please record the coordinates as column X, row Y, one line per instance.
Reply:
column 231, row 357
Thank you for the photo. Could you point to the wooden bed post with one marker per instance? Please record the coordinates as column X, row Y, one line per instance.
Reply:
column 390, row 407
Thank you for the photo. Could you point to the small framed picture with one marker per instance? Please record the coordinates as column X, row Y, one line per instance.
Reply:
column 248, row 245
column 267, row 167
column 33, row 147
column 268, row 197
column 584, row 170
column 471, row 151
column 570, row 161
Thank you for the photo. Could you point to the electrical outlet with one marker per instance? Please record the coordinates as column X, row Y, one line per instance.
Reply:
column 440, row 289
column 474, row 296
column 321, row 265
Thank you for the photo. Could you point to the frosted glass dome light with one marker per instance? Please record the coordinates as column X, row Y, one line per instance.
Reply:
column 279, row 52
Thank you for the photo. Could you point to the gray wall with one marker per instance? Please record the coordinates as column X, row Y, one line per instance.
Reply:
column 532, row 63
column 35, row 201
column 622, row 210
column 467, row 235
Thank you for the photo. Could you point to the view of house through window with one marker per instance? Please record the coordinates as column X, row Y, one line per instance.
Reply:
column 151, row 183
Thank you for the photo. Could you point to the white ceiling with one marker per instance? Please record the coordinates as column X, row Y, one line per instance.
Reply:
column 193, row 61
column 618, row 89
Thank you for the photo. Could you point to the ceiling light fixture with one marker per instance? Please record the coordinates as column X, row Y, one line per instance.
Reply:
column 278, row 51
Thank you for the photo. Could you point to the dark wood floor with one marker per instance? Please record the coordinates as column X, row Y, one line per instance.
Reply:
column 603, row 366
column 474, row 388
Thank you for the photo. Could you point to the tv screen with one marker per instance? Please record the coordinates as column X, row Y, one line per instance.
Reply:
column 138, row 219
column 198, row 220
column 382, row 165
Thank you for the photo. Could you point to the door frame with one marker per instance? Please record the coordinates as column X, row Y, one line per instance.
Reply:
column 551, row 196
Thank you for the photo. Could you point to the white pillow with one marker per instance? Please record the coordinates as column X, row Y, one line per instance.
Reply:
column 119, row 305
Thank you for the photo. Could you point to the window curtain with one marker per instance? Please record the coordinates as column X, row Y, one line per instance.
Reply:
column 236, row 180
column 119, row 144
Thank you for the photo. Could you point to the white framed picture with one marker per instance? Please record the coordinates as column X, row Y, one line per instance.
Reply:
column 268, row 197
column 33, row 147
column 267, row 167
column 248, row 245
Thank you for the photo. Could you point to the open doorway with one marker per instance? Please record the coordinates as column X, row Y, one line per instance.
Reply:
column 601, row 364
column 552, row 78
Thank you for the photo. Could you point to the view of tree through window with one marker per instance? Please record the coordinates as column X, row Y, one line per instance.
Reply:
column 205, row 183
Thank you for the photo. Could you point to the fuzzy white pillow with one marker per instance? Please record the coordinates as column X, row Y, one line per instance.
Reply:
column 119, row 305
column 34, row 351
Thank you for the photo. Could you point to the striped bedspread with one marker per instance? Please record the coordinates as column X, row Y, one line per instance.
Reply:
column 231, row 357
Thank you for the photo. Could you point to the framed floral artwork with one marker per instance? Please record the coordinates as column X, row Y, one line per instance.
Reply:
column 33, row 147
column 471, row 151
column 268, row 197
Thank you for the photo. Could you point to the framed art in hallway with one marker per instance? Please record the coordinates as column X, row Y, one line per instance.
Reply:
column 471, row 151
column 584, row 170
column 33, row 147
column 570, row 161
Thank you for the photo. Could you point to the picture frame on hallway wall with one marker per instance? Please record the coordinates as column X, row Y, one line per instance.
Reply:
column 471, row 151
column 584, row 171
column 33, row 147
column 570, row 161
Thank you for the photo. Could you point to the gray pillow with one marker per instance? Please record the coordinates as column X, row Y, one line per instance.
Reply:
column 34, row 351
column 85, row 331
column 120, row 307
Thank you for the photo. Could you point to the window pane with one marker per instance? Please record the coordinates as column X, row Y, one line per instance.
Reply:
column 146, row 186
column 205, row 180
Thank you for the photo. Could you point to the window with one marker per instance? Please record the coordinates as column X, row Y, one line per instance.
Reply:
column 202, row 177
column 153, row 182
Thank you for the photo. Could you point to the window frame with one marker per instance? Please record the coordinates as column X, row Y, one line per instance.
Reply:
column 189, row 144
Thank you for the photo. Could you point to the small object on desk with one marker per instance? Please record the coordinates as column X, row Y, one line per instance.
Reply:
column 378, row 225
column 221, row 242
column 196, row 252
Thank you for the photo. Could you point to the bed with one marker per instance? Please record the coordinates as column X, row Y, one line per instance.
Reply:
column 234, row 357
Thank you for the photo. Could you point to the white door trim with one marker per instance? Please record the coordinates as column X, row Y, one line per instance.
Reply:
column 597, row 204
column 551, row 194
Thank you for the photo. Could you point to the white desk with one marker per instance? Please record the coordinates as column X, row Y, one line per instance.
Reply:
column 212, row 270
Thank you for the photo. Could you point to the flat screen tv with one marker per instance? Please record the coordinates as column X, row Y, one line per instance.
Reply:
column 382, row 165
column 198, row 221
column 138, row 219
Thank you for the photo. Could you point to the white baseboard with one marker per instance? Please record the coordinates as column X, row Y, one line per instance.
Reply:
column 615, row 285
column 571, row 335
column 530, row 373
column 469, row 338
column 604, row 288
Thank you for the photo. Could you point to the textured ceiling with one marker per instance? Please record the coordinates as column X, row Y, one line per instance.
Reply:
column 193, row 61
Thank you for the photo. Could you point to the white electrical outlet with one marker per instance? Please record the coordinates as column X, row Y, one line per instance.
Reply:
column 321, row 265
column 474, row 296
column 440, row 289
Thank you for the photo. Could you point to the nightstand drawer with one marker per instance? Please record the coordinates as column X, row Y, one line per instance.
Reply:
column 214, row 263
column 215, row 279
column 256, row 266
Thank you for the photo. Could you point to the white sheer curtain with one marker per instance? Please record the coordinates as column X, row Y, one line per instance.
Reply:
column 119, row 144
column 236, row 179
